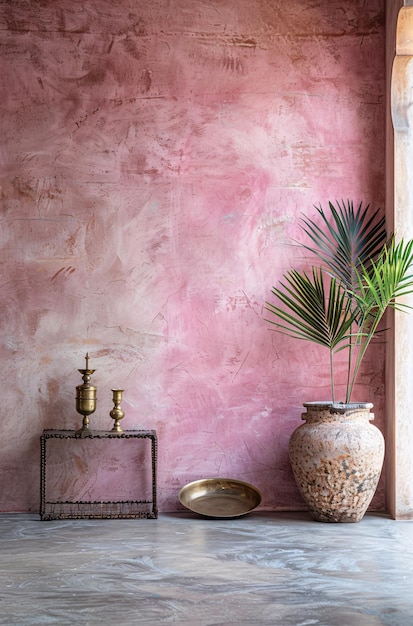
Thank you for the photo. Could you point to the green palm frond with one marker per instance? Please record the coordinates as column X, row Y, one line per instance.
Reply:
column 352, row 238
column 389, row 279
column 314, row 310
column 310, row 312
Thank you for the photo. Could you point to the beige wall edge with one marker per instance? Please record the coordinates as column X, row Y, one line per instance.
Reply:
column 399, row 365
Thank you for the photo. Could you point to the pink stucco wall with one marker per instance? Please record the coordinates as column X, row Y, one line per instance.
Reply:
column 155, row 160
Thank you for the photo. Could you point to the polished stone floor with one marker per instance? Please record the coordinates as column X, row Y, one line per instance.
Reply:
column 264, row 568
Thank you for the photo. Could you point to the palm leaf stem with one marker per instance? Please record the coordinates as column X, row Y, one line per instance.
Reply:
column 388, row 279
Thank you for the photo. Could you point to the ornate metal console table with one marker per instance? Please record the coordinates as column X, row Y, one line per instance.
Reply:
column 58, row 508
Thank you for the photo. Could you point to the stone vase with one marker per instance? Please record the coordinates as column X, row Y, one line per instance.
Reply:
column 337, row 457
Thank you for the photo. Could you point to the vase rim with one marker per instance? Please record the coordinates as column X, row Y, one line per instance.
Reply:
column 339, row 405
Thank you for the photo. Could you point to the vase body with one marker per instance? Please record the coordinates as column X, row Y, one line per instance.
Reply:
column 337, row 457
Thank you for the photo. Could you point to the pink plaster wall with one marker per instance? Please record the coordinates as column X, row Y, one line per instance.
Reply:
column 155, row 160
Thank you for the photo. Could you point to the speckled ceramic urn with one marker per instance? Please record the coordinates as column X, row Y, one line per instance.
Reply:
column 337, row 456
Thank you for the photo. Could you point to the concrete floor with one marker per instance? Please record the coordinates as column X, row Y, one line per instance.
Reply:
column 278, row 568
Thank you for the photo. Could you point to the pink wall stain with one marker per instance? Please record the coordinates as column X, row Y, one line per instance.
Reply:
column 155, row 162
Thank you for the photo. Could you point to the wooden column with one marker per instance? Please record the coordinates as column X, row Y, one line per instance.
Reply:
column 399, row 393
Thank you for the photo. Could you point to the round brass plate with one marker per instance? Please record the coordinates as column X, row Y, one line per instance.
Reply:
column 220, row 497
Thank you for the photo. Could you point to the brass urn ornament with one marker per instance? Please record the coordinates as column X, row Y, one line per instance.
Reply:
column 117, row 413
column 86, row 399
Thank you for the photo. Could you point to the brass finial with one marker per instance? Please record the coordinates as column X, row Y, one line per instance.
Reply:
column 85, row 398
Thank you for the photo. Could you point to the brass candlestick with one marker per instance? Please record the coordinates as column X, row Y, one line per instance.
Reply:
column 85, row 399
column 117, row 413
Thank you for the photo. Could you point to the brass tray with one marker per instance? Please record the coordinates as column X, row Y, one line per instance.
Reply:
column 219, row 497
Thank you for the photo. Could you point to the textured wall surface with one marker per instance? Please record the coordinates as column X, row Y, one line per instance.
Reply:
column 155, row 160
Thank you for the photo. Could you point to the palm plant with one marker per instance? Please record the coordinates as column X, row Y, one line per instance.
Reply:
column 341, row 303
